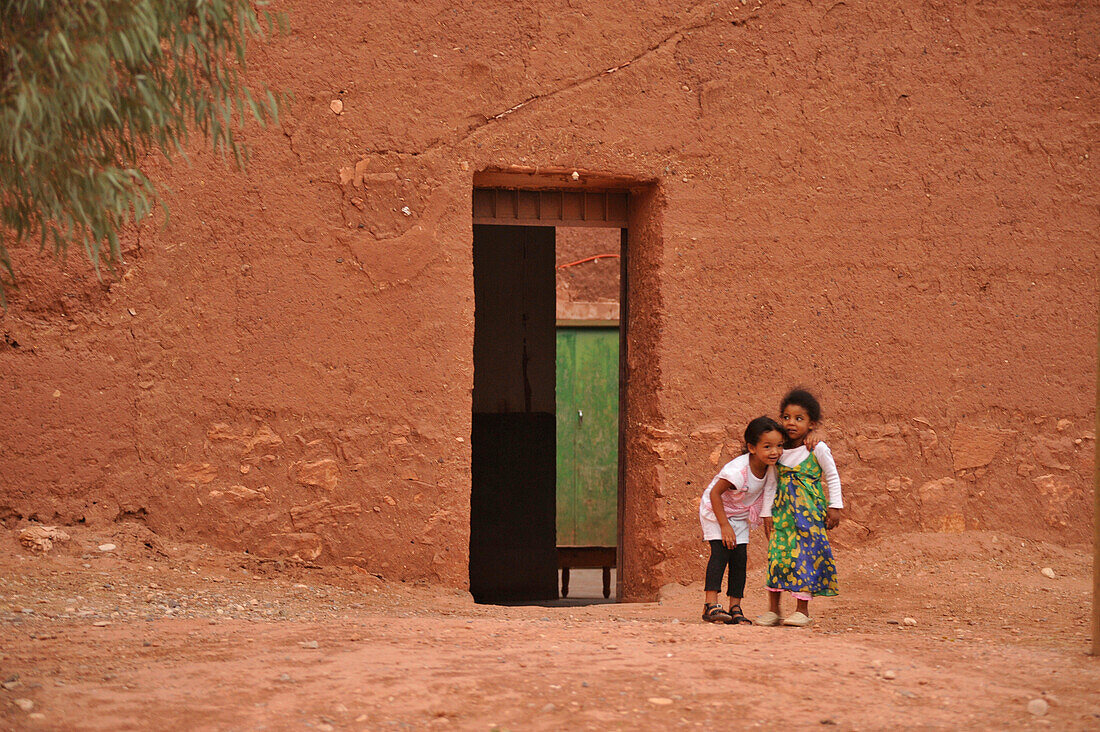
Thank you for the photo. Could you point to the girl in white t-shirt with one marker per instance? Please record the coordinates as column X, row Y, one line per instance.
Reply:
column 730, row 505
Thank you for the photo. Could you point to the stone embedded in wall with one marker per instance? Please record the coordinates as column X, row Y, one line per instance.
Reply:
column 195, row 473
column 323, row 473
column 221, row 431
column 1058, row 494
column 942, row 506
column 243, row 493
column 1054, row 452
column 975, row 447
column 304, row 546
column 709, row 432
column 928, row 440
column 661, row 442
column 323, row 513
column 264, row 437
column 249, row 441
column 879, row 449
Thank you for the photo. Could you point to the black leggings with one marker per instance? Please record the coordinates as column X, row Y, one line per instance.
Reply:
column 720, row 558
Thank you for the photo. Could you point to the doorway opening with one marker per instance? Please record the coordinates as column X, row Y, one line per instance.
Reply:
column 547, row 460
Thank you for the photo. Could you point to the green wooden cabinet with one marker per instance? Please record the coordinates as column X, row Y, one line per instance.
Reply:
column 587, row 435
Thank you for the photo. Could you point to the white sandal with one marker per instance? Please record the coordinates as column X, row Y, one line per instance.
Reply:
column 798, row 620
column 768, row 619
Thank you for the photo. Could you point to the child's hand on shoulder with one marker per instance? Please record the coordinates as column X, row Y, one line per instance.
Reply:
column 812, row 440
column 832, row 518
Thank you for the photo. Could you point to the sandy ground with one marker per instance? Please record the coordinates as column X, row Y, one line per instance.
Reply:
column 150, row 635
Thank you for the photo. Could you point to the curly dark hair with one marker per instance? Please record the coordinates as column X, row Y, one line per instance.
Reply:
column 802, row 398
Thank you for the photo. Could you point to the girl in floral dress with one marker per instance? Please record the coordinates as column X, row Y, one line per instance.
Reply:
column 800, row 560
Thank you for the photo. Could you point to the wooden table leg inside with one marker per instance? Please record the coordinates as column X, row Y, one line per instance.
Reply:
column 586, row 557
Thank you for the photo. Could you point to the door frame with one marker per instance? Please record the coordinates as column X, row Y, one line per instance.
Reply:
column 557, row 200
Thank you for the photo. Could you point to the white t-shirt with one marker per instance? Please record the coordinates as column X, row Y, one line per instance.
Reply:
column 794, row 456
column 747, row 489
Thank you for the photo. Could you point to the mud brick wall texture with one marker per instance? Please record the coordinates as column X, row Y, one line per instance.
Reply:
column 892, row 203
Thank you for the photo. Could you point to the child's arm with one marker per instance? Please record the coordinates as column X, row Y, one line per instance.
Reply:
column 729, row 538
column 832, row 480
column 769, row 499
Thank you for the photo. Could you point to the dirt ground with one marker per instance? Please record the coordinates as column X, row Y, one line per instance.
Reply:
column 156, row 635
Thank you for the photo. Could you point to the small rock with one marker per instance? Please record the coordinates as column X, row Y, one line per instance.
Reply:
column 659, row 700
column 36, row 715
column 909, row 621
column 107, row 547
column 889, row 674
column 309, row 644
column 1038, row 707
column 325, row 727
column 101, row 623
column 285, row 678
column 575, row 175
column 891, row 622
column 548, row 708
column 27, row 705
column 11, row 684
column 1047, row 572
column 337, row 106
column 406, row 210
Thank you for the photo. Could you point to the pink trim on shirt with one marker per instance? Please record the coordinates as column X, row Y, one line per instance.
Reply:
column 751, row 511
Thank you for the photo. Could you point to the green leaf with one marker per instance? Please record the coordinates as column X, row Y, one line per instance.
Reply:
column 89, row 88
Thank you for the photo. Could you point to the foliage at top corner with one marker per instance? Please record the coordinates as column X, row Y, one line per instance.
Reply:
column 88, row 88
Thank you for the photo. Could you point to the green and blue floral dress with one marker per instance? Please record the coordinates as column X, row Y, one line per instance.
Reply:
column 800, row 559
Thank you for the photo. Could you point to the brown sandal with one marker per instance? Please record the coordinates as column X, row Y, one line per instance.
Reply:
column 715, row 614
column 737, row 617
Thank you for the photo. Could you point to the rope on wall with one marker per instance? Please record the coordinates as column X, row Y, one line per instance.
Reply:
column 588, row 259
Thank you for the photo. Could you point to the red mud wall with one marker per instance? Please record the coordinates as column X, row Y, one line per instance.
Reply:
column 892, row 203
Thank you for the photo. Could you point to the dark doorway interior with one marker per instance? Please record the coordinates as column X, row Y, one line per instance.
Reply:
column 513, row 554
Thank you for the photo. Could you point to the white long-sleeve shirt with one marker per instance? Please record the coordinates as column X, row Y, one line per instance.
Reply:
column 793, row 458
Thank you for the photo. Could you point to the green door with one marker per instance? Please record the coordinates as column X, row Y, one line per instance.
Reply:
column 587, row 435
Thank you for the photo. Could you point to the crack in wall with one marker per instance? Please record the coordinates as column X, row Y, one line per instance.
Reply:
column 708, row 18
